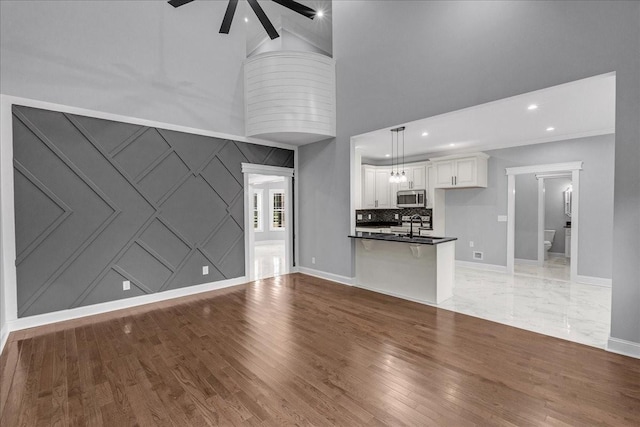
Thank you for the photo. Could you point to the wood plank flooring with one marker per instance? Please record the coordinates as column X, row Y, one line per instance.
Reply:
column 298, row 350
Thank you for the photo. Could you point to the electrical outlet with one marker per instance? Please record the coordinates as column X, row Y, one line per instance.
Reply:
column 396, row 216
column 126, row 285
column 369, row 216
column 205, row 270
column 502, row 218
column 359, row 217
column 313, row 260
column 478, row 255
column 471, row 243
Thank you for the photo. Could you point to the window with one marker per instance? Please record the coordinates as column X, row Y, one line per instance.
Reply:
column 276, row 206
column 257, row 210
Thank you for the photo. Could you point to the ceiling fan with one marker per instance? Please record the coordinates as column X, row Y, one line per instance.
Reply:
column 262, row 17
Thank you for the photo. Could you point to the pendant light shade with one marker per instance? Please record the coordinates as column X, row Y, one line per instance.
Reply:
column 397, row 177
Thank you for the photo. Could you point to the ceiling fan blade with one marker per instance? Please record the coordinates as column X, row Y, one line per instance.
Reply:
column 228, row 16
column 178, row 3
column 297, row 7
column 262, row 17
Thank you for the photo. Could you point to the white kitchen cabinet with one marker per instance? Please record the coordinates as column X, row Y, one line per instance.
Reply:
column 377, row 191
column 460, row 171
column 416, row 177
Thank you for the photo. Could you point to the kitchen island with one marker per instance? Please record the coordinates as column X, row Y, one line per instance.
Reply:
column 416, row 268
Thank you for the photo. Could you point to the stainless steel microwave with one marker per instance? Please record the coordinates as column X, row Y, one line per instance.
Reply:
column 411, row 199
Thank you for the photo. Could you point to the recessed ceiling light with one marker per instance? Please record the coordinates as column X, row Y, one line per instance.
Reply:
column 550, row 128
column 532, row 107
column 452, row 145
column 387, row 155
column 425, row 133
column 320, row 14
column 246, row 19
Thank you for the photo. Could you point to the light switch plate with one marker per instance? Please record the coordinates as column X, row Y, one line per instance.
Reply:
column 359, row 217
column 205, row 270
column 126, row 285
column 396, row 216
column 502, row 218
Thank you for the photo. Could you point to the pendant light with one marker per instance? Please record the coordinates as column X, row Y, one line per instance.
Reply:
column 395, row 177
column 403, row 177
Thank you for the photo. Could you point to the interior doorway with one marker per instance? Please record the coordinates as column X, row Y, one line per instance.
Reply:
column 268, row 216
column 543, row 225
column 572, row 170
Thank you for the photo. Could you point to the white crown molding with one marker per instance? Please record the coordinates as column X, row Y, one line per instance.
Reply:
column 252, row 168
column 553, row 167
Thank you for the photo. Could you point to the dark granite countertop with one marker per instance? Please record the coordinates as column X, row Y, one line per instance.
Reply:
column 423, row 240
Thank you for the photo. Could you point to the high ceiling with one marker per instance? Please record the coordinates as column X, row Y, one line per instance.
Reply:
column 581, row 108
column 316, row 31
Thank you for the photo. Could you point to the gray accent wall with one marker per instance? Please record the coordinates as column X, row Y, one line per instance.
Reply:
column 436, row 57
column 98, row 202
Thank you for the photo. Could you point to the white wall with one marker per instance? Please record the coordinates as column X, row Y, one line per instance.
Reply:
column 399, row 61
column 141, row 59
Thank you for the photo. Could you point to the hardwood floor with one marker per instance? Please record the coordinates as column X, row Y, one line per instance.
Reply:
column 301, row 350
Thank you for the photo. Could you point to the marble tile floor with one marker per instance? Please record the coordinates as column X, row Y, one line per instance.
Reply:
column 556, row 267
column 269, row 259
column 559, row 308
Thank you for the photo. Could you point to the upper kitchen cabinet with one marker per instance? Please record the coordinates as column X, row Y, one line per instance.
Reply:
column 377, row 191
column 460, row 171
column 416, row 174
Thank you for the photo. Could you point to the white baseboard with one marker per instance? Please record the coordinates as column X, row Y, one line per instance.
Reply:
column 324, row 275
column 624, row 347
column 526, row 261
column 4, row 335
column 74, row 313
column 481, row 266
column 590, row 280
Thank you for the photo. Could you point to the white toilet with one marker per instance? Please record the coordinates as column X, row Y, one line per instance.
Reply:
column 548, row 241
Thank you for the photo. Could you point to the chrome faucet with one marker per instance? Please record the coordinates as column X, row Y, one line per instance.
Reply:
column 416, row 216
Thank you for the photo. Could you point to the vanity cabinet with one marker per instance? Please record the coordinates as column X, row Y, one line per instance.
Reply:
column 460, row 171
column 416, row 174
column 377, row 191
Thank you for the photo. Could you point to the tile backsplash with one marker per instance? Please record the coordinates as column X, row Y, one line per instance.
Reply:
column 387, row 215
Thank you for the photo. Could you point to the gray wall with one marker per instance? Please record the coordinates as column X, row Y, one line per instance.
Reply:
column 526, row 221
column 267, row 234
column 471, row 214
column 554, row 217
column 141, row 59
column 404, row 60
column 98, row 202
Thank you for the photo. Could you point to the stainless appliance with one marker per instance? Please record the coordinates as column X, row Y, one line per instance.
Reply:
column 411, row 199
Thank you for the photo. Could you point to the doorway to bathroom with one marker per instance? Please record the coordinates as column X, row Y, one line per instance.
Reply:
column 542, row 210
column 543, row 246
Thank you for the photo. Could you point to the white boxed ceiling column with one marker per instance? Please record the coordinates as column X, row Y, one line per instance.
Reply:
column 290, row 97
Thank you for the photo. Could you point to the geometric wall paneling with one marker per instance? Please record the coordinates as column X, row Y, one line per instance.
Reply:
column 165, row 243
column 221, row 181
column 163, row 176
column 98, row 202
column 194, row 209
column 192, row 149
column 190, row 272
column 141, row 152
